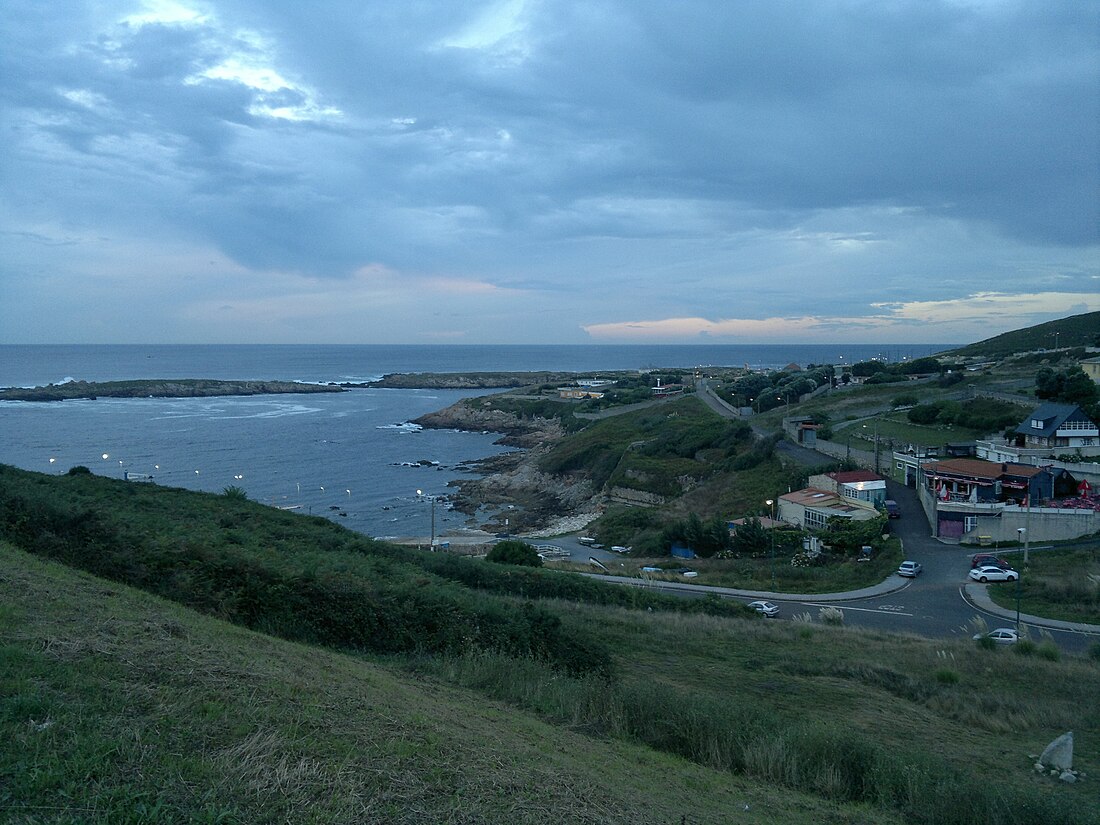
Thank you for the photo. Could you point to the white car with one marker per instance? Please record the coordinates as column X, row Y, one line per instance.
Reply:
column 1000, row 636
column 992, row 573
column 910, row 568
column 766, row 608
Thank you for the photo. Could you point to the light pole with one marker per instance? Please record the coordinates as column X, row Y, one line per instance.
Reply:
column 771, row 538
column 1022, row 533
column 432, row 500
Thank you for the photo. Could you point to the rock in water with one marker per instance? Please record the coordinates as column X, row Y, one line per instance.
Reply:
column 1059, row 753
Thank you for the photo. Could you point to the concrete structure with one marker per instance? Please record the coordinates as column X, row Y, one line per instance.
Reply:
column 812, row 508
column 1091, row 366
column 980, row 502
column 578, row 392
column 861, row 487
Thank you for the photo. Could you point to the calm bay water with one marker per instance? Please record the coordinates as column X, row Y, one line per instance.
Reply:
column 350, row 456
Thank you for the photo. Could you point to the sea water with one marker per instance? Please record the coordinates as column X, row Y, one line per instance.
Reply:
column 354, row 457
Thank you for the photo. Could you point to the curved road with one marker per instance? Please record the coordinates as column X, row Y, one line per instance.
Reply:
column 932, row 605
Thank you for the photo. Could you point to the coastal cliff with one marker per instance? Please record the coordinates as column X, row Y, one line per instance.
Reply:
column 512, row 491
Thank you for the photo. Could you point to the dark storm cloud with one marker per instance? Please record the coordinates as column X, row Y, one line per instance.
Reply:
column 717, row 157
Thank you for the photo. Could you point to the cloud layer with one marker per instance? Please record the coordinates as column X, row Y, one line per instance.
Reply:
column 527, row 171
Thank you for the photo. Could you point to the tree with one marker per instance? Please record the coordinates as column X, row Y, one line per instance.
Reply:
column 514, row 552
column 848, row 535
column 750, row 537
column 924, row 413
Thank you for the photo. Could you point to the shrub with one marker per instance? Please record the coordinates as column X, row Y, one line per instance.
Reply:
column 947, row 676
column 1049, row 650
column 1094, row 651
column 924, row 413
column 514, row 552
column 235, row 493
column 1024, row 647
column 985, row 643
column 79, row 470
column 831, row 615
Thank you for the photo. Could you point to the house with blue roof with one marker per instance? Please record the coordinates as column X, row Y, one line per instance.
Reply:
column 1060, row 428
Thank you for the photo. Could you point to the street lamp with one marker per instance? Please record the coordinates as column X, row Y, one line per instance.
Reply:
column 432, row 500
column 1022, row 533
column 771, row 538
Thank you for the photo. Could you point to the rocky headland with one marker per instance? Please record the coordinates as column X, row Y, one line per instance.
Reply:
column 467, row 380
column 511, row 486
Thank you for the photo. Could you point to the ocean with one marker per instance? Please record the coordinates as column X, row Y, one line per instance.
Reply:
column 353, row 457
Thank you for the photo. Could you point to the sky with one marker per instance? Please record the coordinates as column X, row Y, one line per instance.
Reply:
column 543, row 171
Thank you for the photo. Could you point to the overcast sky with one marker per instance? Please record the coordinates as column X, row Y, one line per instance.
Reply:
column 544, row 171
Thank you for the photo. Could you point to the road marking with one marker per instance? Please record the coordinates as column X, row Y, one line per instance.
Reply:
column 890, row 609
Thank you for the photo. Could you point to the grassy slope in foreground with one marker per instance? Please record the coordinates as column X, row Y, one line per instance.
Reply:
column 121, row 707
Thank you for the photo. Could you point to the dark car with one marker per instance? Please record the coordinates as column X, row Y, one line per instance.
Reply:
column 988, row 559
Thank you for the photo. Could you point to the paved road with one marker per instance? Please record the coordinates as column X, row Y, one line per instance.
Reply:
column 931, row 605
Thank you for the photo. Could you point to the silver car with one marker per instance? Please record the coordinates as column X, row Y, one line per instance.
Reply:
column 1000, row 636
column 992, row 573
column 910, row 568
column 766, row 608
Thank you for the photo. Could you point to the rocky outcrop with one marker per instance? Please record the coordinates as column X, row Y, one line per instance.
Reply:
column 467, row 380
column 478, row 415
column 511, row 485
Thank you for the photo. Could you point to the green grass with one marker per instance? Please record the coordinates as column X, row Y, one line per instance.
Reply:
column 120, row 707
column 1062, row 583
column 157, row 714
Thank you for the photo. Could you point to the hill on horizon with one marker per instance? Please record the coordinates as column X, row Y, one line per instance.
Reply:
column 1073, row 331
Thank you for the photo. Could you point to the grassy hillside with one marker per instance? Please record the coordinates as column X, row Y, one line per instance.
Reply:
column 119, row 707
column 1075, row 331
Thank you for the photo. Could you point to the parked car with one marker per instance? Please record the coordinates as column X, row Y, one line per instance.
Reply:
column 1001, row 636
column 910, row 568
column 985, row 559
column 992, row 573
column 892, row 510
column 766, row 608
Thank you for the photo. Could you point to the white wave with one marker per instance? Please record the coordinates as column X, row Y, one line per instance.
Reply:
column 407, row 427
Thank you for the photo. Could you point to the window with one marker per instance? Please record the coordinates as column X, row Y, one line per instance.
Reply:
column 1036, row 424
column 970, row 523
column 815, row 518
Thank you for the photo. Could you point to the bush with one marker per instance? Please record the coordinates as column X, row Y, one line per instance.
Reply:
column 1094, row 651
column 831, row 615
column 1024, row 647
column 924, row 413
column 985, row 643
column 947, row 676
column 514, row 552
column 1049, row 650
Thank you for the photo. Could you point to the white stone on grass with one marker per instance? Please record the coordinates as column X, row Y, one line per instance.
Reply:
column 1059, row 753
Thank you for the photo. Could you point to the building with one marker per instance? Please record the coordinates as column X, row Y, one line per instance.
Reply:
column 812, row 508
column 859, row 486
column 976, row 481
column 1060, row 428
column 667, row 389
column 1091, row 366
column 578, row 392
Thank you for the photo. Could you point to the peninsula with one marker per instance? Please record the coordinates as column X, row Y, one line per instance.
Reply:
column 159, row 388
